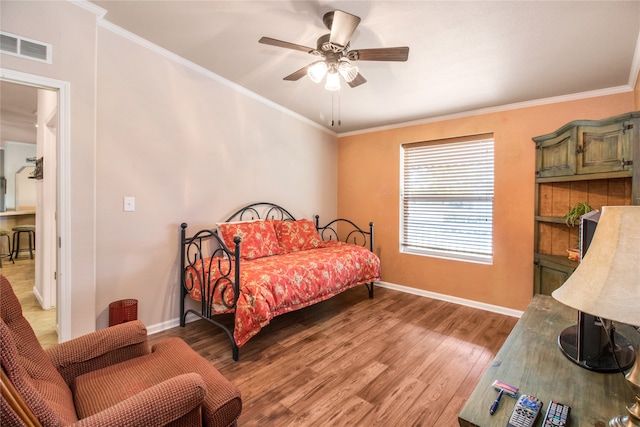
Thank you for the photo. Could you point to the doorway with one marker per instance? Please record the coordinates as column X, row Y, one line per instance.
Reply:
column 51, row 208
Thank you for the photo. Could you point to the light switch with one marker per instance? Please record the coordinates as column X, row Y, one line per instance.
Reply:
column 129, row 203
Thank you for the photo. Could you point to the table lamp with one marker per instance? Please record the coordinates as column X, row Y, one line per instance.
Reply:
column 606, row 284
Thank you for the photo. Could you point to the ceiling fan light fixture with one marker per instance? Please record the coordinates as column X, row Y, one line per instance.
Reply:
column 347, row 71
column 317, row 71
column 333, row 81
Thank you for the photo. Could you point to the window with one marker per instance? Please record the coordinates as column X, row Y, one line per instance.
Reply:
column 447, row 198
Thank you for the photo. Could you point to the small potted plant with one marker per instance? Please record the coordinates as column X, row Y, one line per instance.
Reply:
column 572, row 218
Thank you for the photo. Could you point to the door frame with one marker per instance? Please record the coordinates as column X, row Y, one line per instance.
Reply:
column 63, row 246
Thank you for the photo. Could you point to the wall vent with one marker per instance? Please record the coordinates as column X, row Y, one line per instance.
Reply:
column 25, row 48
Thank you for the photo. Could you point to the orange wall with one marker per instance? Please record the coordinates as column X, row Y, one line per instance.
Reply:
column 369, row 182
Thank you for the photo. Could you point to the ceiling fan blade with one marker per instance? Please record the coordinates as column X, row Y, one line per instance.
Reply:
column 343, row 25
column 297, row 75
column 381, row 54
column 286, row 45
column 357, row 81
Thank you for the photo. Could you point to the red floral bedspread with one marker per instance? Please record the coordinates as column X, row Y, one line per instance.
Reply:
column 273, row 285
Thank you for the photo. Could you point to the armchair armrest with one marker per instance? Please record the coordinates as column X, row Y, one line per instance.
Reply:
column 99, row 349
column 158, row 405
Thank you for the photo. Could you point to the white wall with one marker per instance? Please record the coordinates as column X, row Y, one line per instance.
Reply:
column 189, row 149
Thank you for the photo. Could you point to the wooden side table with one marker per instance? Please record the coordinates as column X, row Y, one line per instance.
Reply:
column 531, row 360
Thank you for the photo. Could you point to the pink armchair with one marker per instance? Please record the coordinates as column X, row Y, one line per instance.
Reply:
column 109, row 377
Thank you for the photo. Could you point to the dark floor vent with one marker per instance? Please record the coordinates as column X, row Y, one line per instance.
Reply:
column 24, row 48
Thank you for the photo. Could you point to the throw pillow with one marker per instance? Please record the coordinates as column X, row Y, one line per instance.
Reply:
column 258, row 238
column 298, row 235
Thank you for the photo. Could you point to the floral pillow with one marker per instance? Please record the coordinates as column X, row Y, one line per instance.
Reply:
column 258, row 238
column 298, row 235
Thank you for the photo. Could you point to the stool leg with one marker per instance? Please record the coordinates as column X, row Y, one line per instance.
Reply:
column 31, row 244
column 16, row 246
column 10, row 249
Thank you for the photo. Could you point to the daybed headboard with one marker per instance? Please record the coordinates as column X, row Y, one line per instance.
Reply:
column 260, row 210
column 338, row 229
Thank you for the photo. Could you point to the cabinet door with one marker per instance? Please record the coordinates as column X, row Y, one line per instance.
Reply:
column 604, row 149
column 557, row 156
column 549, row 276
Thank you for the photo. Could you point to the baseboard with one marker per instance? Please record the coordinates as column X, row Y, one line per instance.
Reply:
column 159, row 327
column 173, row 323
column 460, row 301
column 38, row 297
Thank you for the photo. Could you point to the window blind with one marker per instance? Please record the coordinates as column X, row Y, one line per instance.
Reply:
column 447, row 199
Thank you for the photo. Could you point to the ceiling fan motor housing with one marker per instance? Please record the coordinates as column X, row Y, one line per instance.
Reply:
column 324, row 45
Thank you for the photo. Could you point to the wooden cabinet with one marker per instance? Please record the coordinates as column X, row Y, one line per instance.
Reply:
column 583, row 161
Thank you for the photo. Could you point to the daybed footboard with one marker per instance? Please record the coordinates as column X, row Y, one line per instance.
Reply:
column 347, row 231
column 206, row 269
column 234, row 270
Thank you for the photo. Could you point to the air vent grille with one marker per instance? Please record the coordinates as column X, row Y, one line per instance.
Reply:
column 25, row 48
column 8, row 43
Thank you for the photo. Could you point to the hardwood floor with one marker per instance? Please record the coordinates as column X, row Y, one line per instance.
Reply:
column 396, row 360
column 22, row 278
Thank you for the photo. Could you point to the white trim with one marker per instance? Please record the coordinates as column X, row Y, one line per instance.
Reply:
column 90, row 7
column 172, row 323
column 213, row 76
column 39, row 297
column 460, row 301
column 64, row 171
column 508, row 107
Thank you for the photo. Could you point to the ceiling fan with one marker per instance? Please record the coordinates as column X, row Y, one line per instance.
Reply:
column 335, row 56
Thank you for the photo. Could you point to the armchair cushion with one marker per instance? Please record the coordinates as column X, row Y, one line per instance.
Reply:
column 28, row 367
column 35, row 378
column 99, row 349
column 176, row 401
column 98, row 390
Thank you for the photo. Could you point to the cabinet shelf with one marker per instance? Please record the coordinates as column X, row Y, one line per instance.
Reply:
column 553, row 219
column 585, row 177
column 558, row 259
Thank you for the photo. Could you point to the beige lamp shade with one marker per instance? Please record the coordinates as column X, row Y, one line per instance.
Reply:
column 607, row 282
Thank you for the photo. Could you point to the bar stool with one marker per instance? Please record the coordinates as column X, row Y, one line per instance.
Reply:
column 5, row 233
column 17, row 232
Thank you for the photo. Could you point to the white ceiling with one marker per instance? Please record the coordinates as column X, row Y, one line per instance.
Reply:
column 464, row 55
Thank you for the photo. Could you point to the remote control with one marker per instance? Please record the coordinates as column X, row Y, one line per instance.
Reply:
column 525, row 411
column 557, row 415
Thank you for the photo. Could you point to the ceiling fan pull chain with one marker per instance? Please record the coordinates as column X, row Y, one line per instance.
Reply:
column 339, row 111
column 333, row 108
column 333, row 94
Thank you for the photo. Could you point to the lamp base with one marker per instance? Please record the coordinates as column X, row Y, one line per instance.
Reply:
column 632, row 419
column 603, row 362
column 624, row 421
